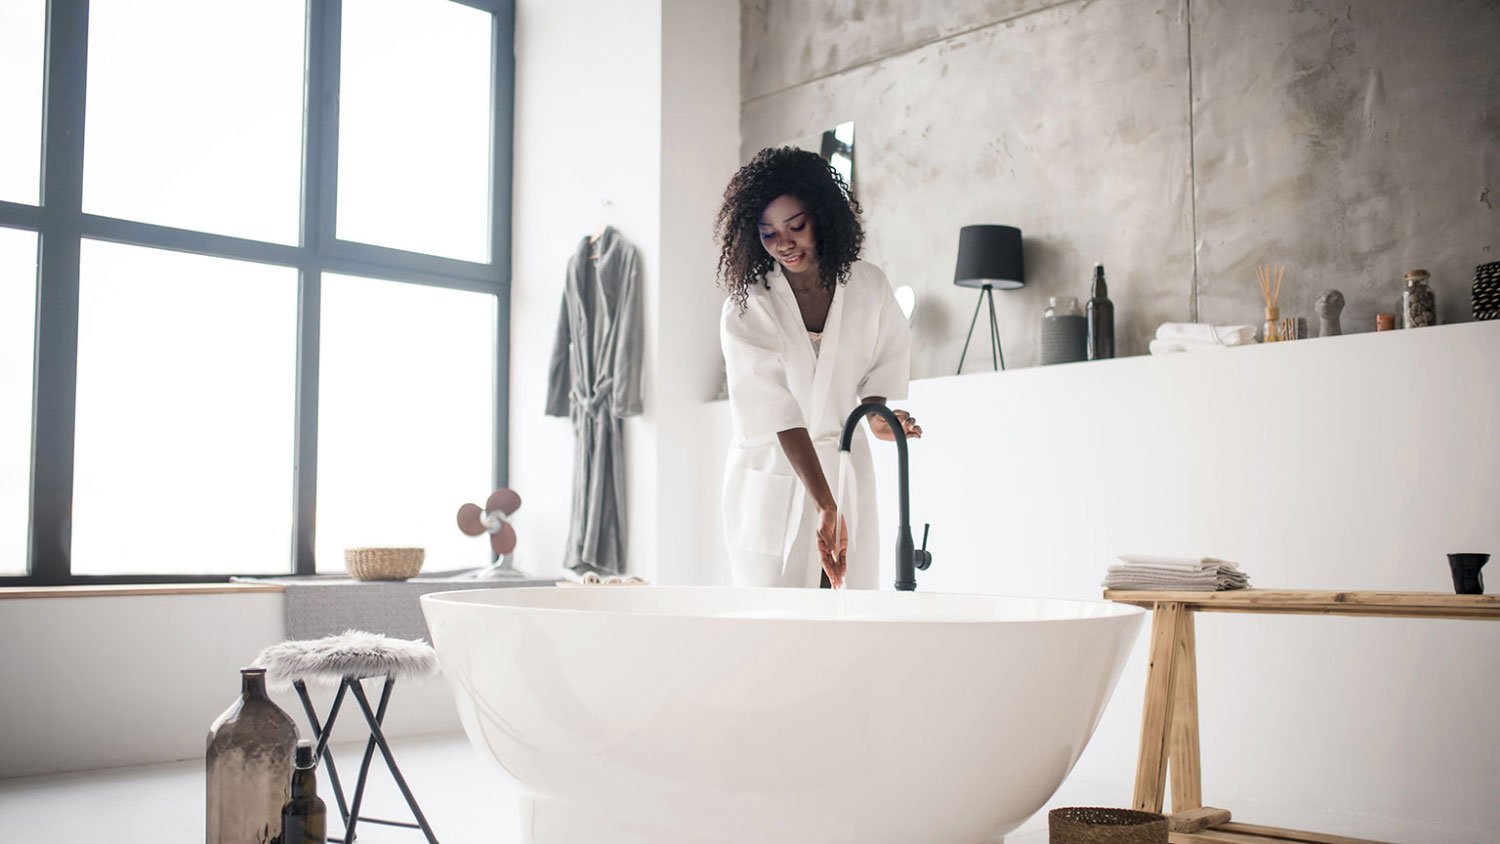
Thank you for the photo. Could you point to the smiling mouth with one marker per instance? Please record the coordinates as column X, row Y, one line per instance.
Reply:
column 793, row 259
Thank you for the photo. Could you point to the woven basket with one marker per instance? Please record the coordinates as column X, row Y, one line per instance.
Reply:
column 1075, row 825
column 383, row 563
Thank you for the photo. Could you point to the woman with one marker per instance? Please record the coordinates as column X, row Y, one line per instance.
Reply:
column 808, row 331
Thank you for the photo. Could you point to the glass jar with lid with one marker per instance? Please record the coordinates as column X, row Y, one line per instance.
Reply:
column 1064, row 331
column 1418, row 308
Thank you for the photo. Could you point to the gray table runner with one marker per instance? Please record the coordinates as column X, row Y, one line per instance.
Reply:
column 322, row 605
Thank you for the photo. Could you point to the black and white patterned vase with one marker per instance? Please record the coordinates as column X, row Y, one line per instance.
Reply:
column 1487, row 291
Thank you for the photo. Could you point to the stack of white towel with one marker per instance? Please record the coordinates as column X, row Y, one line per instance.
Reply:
column 1186, row 574
column 1174, row 337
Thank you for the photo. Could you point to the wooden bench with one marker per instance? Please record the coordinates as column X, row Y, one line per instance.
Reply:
column 1169, row 724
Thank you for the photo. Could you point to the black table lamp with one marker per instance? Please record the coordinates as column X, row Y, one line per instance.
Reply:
column 989, row 257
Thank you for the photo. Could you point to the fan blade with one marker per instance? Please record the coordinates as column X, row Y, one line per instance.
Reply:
column 470, row 520
column 505, row 499
column 503, row 542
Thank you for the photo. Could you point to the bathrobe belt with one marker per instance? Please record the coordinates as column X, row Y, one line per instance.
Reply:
column 599, row 402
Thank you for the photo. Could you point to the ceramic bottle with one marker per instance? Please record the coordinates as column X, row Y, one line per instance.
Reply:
column 249, row 766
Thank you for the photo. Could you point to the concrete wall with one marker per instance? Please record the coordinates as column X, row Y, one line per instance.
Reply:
column 1181, row 142
column 1308, row 465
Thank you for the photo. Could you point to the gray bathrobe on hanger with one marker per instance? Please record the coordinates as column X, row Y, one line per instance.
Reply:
column 595, row 379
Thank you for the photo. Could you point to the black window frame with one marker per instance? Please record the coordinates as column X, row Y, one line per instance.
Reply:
column 61, row 226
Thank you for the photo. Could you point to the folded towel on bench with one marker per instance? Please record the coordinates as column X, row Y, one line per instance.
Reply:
column 1190, row 574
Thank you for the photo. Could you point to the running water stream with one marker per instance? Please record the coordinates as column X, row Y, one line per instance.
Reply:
column 840, row 600
column 838, row 508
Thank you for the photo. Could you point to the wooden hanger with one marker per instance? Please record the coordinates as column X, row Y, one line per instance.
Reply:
column 594, row 242
column 606, row 204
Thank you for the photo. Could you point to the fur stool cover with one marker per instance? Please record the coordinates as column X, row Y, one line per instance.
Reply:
column 353, row 653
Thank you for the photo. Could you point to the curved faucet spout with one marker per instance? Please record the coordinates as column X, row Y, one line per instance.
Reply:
column 906, row 554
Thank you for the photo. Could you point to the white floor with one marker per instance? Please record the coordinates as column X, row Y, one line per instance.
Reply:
column 465, row 799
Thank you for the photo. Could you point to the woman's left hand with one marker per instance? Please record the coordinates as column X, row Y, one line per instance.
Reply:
column 882, row 429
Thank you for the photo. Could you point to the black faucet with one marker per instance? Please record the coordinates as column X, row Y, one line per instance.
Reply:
column 908, row 558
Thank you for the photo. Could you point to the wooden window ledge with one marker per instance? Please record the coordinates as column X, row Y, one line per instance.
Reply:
column 112, row 590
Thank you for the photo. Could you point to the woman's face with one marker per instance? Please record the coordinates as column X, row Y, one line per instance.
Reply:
column 788, row 234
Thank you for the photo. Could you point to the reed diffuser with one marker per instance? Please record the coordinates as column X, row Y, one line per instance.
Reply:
column 1270, row 288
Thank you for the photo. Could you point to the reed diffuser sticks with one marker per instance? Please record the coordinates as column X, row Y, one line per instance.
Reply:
column 1270, row 288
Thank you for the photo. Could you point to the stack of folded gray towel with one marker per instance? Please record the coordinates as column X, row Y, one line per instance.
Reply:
column 1186, row 574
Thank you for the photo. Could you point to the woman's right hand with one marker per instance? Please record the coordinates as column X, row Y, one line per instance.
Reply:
column 833, row 545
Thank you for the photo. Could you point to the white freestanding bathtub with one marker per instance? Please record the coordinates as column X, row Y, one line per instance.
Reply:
column 656, row 715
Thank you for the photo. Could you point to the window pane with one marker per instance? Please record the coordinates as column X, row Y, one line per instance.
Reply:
column 414, row 133
column 22, row 31
column 406, row 418
column 190, row 128
column 186, row 388
column 17, row 318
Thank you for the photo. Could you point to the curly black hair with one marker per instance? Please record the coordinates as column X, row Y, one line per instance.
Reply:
column 775, row 172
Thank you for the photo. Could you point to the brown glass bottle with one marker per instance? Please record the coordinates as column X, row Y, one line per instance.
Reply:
column 304, row 819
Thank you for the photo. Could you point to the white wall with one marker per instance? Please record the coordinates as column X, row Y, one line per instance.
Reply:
column 99, row 682
column 1347, row 463
column 699, row 152
column 587, row 154
column 627, row 114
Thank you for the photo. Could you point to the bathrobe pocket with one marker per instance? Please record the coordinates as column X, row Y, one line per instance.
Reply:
column 756, row 505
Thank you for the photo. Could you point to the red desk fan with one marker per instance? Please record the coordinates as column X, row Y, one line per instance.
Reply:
column 494, row 519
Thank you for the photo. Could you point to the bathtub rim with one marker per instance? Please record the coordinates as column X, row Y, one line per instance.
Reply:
column 1110, row 609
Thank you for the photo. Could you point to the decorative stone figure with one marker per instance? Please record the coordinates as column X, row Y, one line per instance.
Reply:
column 1330, row 303
column 249, row 766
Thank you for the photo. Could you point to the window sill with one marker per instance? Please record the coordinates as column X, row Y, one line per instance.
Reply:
column 115, row 590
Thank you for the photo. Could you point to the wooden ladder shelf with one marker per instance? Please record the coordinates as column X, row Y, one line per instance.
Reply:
column 1169, row 724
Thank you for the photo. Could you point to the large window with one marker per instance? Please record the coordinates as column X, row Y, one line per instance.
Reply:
column 413, row 133
column 215, row 149
column 22, row 40
column 254, row 282
column 402, row 364
column 17, row 317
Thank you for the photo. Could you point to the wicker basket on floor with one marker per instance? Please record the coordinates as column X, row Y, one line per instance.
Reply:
column 383, row 563
column 1088, row 825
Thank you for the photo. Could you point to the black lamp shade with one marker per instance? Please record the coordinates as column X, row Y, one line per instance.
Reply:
column 990, row 256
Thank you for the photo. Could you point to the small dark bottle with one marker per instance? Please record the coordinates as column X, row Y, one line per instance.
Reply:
column 1101, row 317
column 304, row 819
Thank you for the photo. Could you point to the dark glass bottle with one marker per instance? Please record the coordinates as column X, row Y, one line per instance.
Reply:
column 1101, row 317
column 304, row 819
column 249, row 766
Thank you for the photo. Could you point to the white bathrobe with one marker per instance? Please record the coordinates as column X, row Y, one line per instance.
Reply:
column 778, row 382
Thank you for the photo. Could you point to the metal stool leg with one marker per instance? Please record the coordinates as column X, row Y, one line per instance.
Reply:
column 385, row 750
column 352, row 820
column 320, row 734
